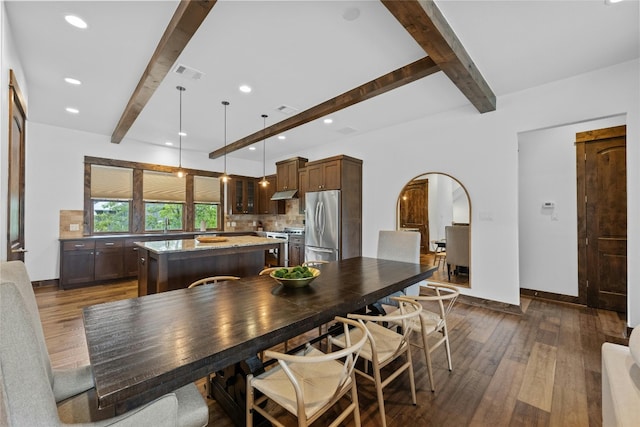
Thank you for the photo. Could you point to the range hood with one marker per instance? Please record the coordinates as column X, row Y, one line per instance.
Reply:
column 284, row 195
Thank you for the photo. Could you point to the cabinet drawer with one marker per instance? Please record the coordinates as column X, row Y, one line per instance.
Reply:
column 79, row 245
column 106, row 244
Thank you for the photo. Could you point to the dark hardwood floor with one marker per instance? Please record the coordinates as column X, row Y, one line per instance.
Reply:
column 541, row 368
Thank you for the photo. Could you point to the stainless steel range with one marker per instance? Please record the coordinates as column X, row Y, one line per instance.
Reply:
column 273, row 255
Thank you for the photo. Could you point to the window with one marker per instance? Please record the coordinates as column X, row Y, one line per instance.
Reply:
column 131, row 197
column 111, row 194
column 206, row 196
column 110, row 216
column 164, row 196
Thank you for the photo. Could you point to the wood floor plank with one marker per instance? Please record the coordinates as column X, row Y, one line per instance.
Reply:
column 499, row 401
column 537, row 385
column 570, row 405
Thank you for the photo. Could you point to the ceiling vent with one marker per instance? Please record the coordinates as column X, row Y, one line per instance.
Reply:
column 347, row 130
column 188, row 72
column 285, row 109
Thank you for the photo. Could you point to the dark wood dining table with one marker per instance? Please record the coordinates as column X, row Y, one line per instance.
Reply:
column 142, row 348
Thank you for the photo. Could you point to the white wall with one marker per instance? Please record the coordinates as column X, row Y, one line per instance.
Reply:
column 548, row 237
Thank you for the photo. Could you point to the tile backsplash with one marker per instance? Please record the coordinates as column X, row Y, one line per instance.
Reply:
column 292, row 218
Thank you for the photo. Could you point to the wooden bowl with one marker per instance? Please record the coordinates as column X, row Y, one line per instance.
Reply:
column 296, row 283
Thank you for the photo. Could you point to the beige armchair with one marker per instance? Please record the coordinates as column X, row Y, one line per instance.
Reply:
column 457, row 247
column 34, row 394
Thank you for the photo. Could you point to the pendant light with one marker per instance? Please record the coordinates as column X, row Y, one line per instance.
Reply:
column 225, row 177
column 180, row 173
column 264, row 181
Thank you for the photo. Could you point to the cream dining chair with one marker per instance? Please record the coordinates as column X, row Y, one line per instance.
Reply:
column 384, row 346
column 311, row 382
column 430, row 323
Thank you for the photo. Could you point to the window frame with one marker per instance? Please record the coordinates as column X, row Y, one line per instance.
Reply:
column 137, row 204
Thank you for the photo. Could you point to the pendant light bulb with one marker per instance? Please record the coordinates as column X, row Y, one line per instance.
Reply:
column 181, row 173
column 225, row 177
column 264, row 181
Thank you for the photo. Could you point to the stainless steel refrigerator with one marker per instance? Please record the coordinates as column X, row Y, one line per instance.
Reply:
column 322, row 226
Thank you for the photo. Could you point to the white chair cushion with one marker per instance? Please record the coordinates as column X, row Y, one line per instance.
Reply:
column 318, row 381
column 634, row 345
column 620, row 387
column 387, row 342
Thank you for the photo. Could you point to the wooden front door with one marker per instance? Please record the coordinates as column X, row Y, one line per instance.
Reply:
column 414, row 211
column 602, row 217
column 15, row 202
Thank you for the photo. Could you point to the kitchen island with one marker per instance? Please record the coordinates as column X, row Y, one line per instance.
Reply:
column 174, row 264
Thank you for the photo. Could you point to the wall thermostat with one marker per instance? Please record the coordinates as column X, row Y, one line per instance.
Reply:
column 548, row 204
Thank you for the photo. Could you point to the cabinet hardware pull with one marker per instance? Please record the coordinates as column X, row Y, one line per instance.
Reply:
column 109, row 244
column 135, row 249
column 142, row 260
column 81, row 245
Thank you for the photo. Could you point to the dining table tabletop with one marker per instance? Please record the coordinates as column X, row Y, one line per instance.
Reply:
column 142, row 348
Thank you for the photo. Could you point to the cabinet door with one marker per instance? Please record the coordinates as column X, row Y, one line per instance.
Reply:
column 237, row 195
column 315, row 178
column 250, row 196
column 109, row 260
column 296, row 251
column 265, row 204
column 282, row 170
column 303, row 185
column 331, row 175
column 130, row 258
column 77, row 268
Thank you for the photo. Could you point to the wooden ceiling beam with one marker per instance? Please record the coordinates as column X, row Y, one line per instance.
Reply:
column 426, row 24
column 185, row 22
column 402, row 76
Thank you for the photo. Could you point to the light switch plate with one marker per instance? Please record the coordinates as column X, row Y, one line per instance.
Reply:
column 74, row 227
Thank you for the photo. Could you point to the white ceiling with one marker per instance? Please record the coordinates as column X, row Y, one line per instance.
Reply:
column 295, row 53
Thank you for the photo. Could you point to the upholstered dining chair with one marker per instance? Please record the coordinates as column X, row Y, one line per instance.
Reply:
column 311, row 382
column 384, row 346
column 398, row 245
column 28, row 398
column 212, row 279
column 431, row 323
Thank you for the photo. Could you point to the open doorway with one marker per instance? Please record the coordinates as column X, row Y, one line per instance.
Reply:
column 438, row 207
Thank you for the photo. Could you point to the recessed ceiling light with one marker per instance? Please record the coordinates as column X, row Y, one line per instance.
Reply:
column 252, row 148
column 168, row 143
column 328, row 121
column 182, row 133
column 72, row 110
column 245, row 88
column 72, row 81
column 76, row 21
column 282, row 137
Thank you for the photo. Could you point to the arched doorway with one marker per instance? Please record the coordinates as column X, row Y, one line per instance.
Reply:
column 436, row 204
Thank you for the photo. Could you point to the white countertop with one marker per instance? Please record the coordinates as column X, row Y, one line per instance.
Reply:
column 190, row 245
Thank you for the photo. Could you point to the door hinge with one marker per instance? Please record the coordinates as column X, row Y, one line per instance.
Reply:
column 587, row 283
column 586, row 241
column 585, row 157
column 585, row 199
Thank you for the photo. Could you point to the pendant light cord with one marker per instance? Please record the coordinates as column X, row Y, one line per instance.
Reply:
column 225, row 103
column 264, row 150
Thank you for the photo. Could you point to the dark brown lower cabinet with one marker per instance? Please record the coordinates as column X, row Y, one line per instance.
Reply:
column 76, row 263
column 296, row 250
column 109, row 260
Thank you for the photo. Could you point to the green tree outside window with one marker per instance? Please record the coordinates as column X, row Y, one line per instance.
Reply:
column 110, row 216
column 207, row 213
column 155, row 215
